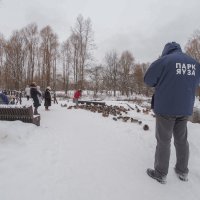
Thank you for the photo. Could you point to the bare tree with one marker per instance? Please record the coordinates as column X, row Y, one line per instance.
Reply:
column 192, row 47
column 138, row 79
column 48, row 50
column 32, row 39
column 15, row 58
column 74, row 40
column 55, row 59
column 146, row 90
column 112, row 70
column 96, row 77
column 2, row 60
column 66, row 58
column 126, row 64
column 83, row 44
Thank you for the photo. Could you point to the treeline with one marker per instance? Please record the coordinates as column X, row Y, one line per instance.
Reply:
column 36, row 55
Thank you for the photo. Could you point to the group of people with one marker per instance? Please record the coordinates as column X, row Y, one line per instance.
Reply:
column 35, row 93
column 10, row 97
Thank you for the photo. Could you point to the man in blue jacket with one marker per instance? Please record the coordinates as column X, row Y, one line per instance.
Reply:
column 175, row 77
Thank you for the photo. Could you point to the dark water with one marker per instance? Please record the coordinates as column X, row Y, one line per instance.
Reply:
column 195, row 118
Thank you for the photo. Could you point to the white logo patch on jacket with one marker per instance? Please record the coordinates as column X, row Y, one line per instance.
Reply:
column 185, row 69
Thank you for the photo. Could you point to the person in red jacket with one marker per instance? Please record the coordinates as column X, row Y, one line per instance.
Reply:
column 77, row 95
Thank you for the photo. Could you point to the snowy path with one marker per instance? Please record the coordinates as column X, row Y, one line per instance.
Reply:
column 78, row 155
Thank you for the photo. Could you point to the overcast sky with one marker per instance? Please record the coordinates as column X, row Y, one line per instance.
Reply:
column 140, row 26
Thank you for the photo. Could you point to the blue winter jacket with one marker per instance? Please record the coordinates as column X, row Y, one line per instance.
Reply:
column 175, row 77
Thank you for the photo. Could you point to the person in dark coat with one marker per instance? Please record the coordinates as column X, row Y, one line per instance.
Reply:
column 47, row 98
column 3, row 98
column 34, row 95
column 175, row 77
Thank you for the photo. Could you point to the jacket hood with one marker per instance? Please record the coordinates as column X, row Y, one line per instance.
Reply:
column 171, row 47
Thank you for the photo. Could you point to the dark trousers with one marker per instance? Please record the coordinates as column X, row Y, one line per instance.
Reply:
column 166, row 126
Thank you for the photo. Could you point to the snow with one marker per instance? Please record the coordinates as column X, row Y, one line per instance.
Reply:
column 79, row 155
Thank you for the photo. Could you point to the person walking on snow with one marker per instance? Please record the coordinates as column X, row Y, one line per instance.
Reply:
column 47, row 98
column 175, row 77
column 34, row 95
column 77, row 95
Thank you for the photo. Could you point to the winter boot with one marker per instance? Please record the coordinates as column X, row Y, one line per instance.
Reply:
column 181, row 176
column 46, row 108
column 157, row 176
column 35, row 112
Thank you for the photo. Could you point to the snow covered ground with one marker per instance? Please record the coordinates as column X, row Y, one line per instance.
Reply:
column 79, row 155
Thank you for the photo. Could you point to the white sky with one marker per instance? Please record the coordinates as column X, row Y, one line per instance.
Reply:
column 142, row 27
